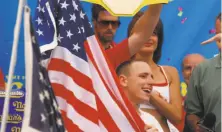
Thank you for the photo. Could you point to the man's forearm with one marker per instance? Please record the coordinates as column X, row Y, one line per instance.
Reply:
column 192, row 121
column 144, row 27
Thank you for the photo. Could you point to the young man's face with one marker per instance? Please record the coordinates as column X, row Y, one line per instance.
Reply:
column 106, row 26
column 138, row 84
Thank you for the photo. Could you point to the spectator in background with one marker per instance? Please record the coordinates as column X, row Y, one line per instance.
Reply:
column 167, row 84
column 204, row 90
column 136, row 79
column 2, row 82
column 105, row 26
column 190, row 61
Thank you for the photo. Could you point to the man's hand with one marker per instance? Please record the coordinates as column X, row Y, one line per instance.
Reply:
column 149, row 128
column 155, row 93
column 199, row 129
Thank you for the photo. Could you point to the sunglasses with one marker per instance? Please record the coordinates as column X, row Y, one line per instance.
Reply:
column 104, row 23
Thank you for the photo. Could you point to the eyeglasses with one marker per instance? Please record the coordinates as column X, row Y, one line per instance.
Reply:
column 104, row 23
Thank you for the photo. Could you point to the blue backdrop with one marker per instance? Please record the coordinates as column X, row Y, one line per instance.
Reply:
column 183, row 34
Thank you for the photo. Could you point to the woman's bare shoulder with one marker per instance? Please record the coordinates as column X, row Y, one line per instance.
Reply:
column 170, row 71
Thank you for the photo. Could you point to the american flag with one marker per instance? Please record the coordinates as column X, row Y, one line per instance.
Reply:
column 82, row 78
column 41, row 110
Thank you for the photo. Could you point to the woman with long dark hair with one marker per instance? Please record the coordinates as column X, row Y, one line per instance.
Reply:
column 165, row 99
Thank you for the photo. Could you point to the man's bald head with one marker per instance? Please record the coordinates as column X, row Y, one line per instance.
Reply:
column 190, row 61
column 194, row 58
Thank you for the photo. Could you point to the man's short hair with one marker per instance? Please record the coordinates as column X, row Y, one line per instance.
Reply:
column 124, row 68
column 96, row 9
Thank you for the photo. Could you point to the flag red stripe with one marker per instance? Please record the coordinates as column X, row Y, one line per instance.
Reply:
column 82, row 108
column 69, row 124
column 65, row 67
column 111, row 94
column 130, row 107
column 105, row 117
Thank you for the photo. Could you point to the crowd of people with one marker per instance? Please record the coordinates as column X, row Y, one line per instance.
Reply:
column 153, row 89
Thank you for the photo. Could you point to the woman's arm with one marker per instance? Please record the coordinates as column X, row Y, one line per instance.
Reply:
column 172, row 110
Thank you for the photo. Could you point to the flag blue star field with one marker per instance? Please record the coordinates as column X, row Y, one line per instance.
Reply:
column 85, row 89
column 41, row 110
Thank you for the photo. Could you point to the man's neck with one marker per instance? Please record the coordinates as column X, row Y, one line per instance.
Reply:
column 136, row 106
column 107, row 45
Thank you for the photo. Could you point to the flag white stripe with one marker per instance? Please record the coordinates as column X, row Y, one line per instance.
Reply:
column 102, row 127
column 76, row 62
column 83, row 123
column 104, row 69
column 103, row 66
column 54, row 43
column 113, row 109
column 79, row 92
column 28, row 72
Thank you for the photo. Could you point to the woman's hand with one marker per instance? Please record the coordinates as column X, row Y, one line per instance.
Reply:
column 216, row 38
column 149, row 128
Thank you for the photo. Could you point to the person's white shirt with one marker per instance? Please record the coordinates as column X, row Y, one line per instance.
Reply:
column 150, row 120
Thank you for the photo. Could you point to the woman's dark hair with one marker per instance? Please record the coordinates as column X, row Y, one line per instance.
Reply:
column 219, row 16
column 158, row 30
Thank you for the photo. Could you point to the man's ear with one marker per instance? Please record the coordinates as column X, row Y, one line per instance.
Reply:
column 123, row 81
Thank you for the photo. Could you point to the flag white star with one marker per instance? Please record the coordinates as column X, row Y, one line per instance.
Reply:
column 39, row 21
column 59, row 38
column 46, row 94
column 39, row 8
column 69, row 34
column 43, row 10
column 39, row 32
column 82, row 15
column 64, row 5
column 75, row 5
column 55, row 105
column 48, row 23
column 59, row 122
column 90, row 24
column 51, row 112
column 41, row 97
column 33, row 40
column 43, row 118
column 83, row 30
column 79, row 30
column 72, row 17
column 76, row 47
column 41, row 76
column 62, row 21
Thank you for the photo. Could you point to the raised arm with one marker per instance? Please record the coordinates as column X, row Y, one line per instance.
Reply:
column 144, row 28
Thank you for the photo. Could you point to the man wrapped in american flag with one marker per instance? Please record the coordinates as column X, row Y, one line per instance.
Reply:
column 81, row 73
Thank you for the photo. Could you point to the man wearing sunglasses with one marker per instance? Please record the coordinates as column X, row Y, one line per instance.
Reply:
column 105, row 26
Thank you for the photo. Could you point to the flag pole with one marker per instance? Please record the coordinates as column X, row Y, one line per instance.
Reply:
column 12, row 65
